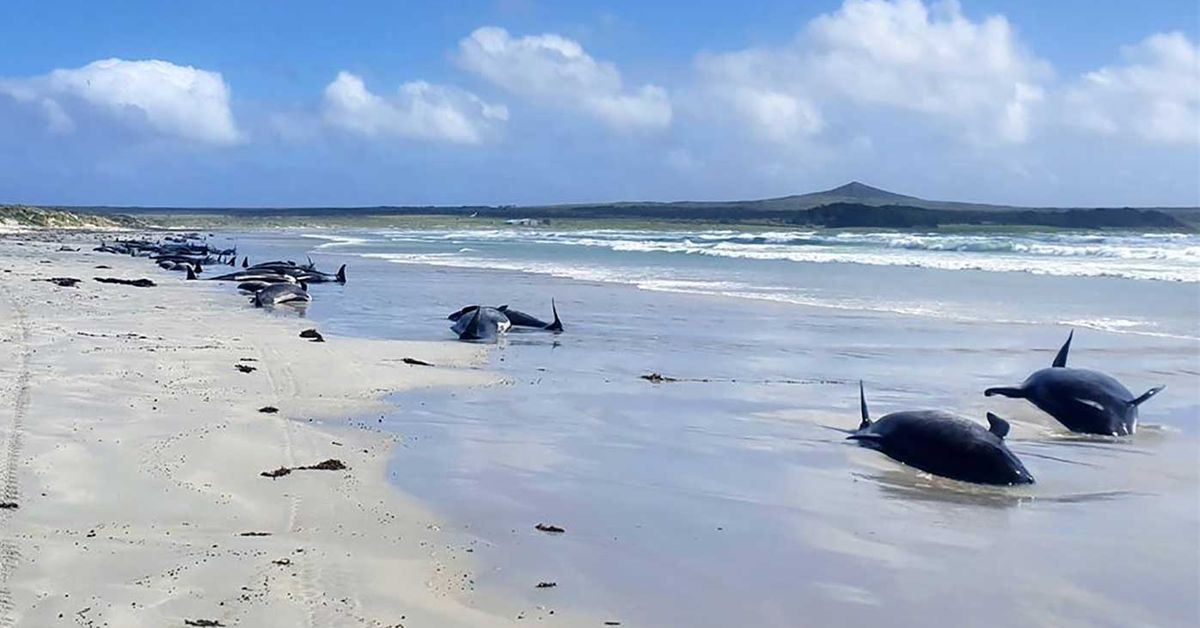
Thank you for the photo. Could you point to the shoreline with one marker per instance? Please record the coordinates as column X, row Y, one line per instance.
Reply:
column 134, row 450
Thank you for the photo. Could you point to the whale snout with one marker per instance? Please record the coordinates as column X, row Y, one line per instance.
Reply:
column 1021, row 476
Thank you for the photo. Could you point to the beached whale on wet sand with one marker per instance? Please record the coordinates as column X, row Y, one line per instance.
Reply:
column 282, row 293
column 482, row 323
column 943, row 444
column 1084, row 401
column 517, row 318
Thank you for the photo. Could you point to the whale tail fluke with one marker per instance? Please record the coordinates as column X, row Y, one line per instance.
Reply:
column 862, row 406
column 1005, row 391
column 341, row 274
column 1146, row 395
column 471, row 331
column 556, row 326
column 454, row 316
column 1060, row 360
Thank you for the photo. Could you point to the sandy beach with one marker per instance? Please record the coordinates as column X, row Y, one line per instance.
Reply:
column 134, row 447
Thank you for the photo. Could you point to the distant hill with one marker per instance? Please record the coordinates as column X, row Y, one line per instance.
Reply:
column 853, row 204
column 855, row 193
column 860, row 198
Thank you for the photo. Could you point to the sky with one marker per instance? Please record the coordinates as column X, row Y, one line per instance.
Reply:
column 305, row 103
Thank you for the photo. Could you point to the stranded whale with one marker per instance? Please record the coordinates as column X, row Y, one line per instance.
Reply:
column 482, row 323
column 516, row 318
column 1084, row 401
column 943, row 444
column 282, row 293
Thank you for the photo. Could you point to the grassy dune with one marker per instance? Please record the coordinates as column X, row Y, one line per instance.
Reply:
column 29, row 216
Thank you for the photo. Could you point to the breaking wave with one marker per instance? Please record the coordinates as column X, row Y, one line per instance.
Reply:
column 1158, row 257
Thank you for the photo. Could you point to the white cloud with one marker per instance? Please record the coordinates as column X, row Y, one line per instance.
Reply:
column 170, row 100
column 557, row 71
column 758, row 88
column 418, row 110
column 888, row 54
column 1153, row 96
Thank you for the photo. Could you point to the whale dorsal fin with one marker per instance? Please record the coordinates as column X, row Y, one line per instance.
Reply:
column 862, row 404
column 1060, row 360
column 555, row 325
column 997, row 425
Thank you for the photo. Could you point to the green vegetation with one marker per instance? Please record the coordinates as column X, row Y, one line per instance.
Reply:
column 27, row 216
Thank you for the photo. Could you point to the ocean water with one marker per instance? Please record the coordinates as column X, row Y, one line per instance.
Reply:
column 731, row 497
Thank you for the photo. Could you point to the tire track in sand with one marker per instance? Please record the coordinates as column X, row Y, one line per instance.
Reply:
column 10, row 555
column 283, row 386
column 314, row 574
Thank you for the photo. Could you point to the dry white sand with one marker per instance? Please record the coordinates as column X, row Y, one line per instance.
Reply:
column 132, row 450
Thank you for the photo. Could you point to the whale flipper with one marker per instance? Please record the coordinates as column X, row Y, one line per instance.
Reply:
column 1146, row 395
column 1060, row 360
column 1006, row 391
column 862, row 404
column 997, row 425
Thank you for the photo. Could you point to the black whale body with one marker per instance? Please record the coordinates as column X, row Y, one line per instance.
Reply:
column 944, row 444
column 1083, row 400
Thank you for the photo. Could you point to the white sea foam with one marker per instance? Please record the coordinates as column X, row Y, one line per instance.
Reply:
column 336, row 240
column 1163, row 257
column 658, row 260
column 647, row 279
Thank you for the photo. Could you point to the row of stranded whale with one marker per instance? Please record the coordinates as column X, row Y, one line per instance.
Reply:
column 286, row 282
column 934, row 441
column 268, row 283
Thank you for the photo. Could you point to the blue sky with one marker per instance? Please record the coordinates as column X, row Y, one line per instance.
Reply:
column 528, row 101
